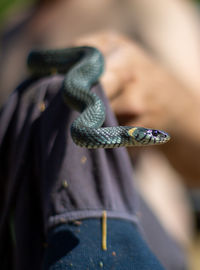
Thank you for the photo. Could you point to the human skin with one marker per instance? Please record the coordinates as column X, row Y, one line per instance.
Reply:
column 142, row 93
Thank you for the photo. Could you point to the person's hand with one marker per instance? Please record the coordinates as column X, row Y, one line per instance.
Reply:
column 139, row 90
column 142, row 93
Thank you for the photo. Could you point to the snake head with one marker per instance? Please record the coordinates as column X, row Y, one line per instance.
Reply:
column 144, row 136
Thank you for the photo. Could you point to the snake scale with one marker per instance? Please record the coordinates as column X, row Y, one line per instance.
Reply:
column 82, row 67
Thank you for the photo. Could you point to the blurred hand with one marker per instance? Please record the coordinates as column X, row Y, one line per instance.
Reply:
column 142, row 93
column 139, row 90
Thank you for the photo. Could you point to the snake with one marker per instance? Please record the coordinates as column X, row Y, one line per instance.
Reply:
column 82, row 67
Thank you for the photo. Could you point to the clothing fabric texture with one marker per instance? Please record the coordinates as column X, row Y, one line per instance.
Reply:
column 79, row 247
column 46, row 180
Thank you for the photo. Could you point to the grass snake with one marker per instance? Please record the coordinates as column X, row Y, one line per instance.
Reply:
column 82, row 67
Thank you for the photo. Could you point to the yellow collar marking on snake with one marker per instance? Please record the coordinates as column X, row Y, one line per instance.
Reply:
column 130, row 132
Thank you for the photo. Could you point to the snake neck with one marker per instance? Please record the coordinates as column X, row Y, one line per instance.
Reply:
column 106, row 137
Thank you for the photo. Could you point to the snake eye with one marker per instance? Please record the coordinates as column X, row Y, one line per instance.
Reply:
column 155, row 133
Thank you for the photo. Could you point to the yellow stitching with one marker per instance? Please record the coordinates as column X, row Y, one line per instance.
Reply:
column 104, row 230
column 42, row 106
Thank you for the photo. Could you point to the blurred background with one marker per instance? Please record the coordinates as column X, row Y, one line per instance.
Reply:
column 168, row 30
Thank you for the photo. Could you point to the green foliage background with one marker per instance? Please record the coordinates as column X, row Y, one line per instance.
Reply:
column 7, row 6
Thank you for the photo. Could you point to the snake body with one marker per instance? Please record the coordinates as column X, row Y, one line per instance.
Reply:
column 82, row 67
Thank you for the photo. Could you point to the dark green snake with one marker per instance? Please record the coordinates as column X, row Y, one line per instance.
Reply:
column 82, row 67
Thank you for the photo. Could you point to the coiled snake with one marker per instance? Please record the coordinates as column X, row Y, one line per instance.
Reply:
column 82, row 67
